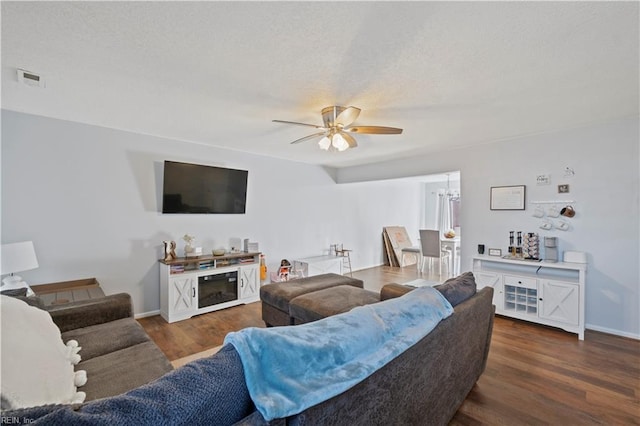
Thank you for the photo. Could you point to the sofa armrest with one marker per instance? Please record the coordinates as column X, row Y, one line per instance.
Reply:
column 84, row 313
column 391, row 291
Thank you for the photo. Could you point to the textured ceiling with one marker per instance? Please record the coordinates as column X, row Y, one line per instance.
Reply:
column 452, row 74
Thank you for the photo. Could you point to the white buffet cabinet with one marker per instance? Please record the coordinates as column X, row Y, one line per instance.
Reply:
column 546, row 293
column 193, row 286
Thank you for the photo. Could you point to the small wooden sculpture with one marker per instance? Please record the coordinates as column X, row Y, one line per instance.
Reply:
column 169, row 250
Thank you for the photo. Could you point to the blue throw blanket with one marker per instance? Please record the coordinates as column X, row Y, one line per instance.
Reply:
column 289, row 369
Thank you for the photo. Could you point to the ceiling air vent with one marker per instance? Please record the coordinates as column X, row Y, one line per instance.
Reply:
column 30, row 78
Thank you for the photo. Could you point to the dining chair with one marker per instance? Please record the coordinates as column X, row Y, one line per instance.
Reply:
column 432, row 249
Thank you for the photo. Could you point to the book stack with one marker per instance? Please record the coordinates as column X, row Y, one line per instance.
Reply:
column 206, row 264
column 250, row 247
column 176, row 269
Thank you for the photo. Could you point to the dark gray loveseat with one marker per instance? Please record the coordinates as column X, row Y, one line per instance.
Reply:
column 116, row 353
column 424, row 385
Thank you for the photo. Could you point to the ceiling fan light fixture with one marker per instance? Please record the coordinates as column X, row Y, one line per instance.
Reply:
column 337, row 128
column 325, row 143
column 339, row 142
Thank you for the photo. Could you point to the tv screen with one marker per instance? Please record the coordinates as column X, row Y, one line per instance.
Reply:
column 194, row 188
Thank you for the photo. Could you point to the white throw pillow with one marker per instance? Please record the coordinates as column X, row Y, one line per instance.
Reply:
column 34, row 362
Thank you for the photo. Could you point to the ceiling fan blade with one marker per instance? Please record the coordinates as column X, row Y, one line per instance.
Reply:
column 374, row 130
column 339, row 116
column 350, row 140
column 298, row 124
column 306, row 138
column 347, row 116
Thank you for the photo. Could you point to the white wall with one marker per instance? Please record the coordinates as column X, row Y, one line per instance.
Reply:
column 89, row 198
column 605, row 159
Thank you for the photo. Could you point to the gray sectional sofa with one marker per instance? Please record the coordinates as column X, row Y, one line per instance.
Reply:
column 424, row 385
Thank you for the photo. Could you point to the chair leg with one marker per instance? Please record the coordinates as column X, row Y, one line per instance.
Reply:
column 448, row 259
column 424, row 263
column 346, row 263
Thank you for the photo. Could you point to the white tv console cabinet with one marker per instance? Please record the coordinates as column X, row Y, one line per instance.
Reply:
column 197, row 285
column 542, row 292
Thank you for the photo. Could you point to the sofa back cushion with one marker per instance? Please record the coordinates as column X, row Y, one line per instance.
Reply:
column 458, row 289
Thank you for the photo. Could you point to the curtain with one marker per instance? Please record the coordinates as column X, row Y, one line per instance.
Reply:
column 455, row 212
column 447, row 211
column 444, row 220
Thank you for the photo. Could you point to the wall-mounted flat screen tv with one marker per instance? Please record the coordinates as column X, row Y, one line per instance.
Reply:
column 194, row 188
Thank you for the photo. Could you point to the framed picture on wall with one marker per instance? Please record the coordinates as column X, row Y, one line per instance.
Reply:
column 507, row 197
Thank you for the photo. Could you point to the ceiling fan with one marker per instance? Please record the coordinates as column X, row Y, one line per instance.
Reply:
column 338, row 124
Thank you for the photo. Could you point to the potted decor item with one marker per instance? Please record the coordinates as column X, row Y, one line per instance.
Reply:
column 188, row 247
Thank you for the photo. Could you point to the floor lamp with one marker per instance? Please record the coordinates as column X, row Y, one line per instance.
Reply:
column 17, row 257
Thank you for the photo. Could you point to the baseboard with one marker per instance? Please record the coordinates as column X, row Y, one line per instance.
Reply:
column 369, row 267
column 147, row 314
column 612, row 331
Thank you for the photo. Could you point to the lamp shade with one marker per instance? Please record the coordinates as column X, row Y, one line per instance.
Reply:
column 325, row 143
column 339, row 142
column 18, row 257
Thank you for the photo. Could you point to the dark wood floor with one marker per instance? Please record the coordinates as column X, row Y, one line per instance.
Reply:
column 535, row 374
